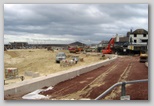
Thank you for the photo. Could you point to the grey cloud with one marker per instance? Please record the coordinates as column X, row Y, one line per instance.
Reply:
column 81, row 21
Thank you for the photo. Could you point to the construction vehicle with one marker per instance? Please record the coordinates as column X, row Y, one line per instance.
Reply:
column 60, row 56
column 143, row 57
column 75, row 49
column 109, row 48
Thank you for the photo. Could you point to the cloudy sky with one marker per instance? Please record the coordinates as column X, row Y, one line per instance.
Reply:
column 67, row 23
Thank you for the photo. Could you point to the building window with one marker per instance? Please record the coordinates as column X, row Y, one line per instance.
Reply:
column 144, row 41
column 144, row 35
column 134, row 41
column 135, row 35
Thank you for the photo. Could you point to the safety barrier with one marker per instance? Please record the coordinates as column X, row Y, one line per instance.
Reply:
column 123, row 88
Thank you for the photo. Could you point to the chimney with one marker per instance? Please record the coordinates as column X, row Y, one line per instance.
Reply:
column 131, row 31
column 117, row 38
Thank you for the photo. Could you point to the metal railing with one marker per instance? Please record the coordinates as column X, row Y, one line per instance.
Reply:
column 123, row 88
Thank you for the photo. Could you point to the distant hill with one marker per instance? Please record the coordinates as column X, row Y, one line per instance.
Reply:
column 77, row 44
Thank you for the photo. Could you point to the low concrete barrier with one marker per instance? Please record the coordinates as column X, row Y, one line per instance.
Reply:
column 27, row 86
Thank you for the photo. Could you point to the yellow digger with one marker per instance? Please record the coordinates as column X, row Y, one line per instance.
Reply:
column 143, row 57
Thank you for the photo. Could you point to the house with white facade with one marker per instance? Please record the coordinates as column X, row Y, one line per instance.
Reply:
column 139, row 36
column 138, row 39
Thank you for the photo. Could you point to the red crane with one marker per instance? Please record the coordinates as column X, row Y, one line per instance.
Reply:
column 108, row 49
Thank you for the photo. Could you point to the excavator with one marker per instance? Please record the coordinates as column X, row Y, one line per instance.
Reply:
column 109, row 48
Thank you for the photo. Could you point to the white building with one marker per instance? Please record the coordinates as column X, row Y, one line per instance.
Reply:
column 139, row 37
column 138, row 40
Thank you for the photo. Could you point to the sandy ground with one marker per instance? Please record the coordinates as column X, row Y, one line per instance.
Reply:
column 41, row 61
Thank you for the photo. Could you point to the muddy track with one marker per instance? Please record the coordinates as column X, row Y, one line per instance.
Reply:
column 78, row 83
column 93, row 83
column 96, row 82
column 123, row 77
column 116, row 75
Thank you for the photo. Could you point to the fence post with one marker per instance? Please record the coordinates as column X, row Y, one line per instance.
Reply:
column 123, row 89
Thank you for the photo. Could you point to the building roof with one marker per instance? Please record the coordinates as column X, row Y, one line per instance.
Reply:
column 104, row 42
column 123, row 39
column 140, row 31
column 77, row 44
column 18, row 42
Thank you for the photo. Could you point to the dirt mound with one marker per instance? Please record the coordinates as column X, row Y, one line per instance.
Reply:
column 13, row 54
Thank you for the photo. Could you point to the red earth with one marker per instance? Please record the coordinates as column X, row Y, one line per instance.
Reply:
column 92, row 84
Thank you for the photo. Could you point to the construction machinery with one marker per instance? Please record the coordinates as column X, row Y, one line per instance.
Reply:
column 60, row 56
column 75, row 49
column 109, row 48
column 143, row 57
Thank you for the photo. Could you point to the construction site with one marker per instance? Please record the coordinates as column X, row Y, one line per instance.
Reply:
column 33, row 63
column 117, row 71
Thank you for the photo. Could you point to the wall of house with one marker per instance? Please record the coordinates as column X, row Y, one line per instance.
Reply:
column 138, row 38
